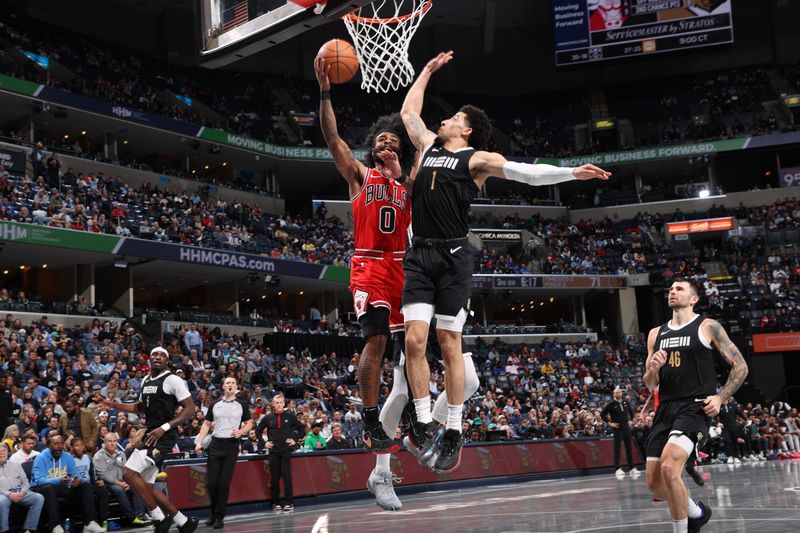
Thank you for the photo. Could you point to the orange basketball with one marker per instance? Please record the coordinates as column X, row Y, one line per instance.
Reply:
column 342, row 58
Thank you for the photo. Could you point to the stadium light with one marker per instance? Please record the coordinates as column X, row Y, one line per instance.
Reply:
column 704, row 193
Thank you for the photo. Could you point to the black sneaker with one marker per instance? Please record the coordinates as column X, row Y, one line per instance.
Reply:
column 377, row 441
column 695, row 475
column 450, row 451
column 421, row 436
column 696, row 523
column 190, row 525
column 219, row 524
column 211, row 520
column 162, row 526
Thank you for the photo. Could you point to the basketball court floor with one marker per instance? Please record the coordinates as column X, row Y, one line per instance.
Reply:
column 753, row 497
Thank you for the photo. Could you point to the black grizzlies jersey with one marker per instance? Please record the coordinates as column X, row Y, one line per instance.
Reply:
column 689, row 371
column 159, row 405
column 443, row 192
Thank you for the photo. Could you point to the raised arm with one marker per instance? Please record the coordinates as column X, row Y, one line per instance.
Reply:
column 351, row 169
column 484, row 165
column 655, row 360
column 412, row 105
column 714, row 331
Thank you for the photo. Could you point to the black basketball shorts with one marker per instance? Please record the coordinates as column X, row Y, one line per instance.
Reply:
column 440, row 276
column 684, row 416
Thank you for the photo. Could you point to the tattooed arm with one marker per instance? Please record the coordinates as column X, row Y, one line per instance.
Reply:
column 714, row 331
column 420, row 135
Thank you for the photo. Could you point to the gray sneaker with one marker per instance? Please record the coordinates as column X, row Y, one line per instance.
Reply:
column 381, row 484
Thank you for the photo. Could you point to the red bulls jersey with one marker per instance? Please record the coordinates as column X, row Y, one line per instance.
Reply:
column 382, row 213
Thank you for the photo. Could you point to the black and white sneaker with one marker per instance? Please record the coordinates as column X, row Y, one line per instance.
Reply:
column 288, row 508
column 696, row 523
column 377, row 441
column 421, row 440
column 277, row 509
column 449, row 452
column 190, row 525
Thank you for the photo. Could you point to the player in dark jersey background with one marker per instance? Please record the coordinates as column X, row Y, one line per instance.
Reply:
column 438, row 268
column 162, row 393
column 382, row 213
column 680, row 364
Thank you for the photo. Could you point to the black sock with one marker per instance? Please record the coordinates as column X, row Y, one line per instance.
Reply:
column 370, row 417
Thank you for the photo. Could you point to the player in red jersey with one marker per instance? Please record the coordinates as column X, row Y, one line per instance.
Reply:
column 382, row 213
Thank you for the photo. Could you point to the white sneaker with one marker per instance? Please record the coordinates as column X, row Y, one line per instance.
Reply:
column 381, row 485
column 57, row 529
column 94, row 527
column 729, row 461
column 620, row 473
column 635, row 473
column 737, row 461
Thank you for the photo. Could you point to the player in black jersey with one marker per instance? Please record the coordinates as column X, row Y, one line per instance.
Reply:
column 438, row 267
column 680, row 363
column 162, row 393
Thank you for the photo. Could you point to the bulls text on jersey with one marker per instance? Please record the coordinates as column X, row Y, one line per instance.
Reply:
column 440, row 162
column 675, row 342
column 376, row 192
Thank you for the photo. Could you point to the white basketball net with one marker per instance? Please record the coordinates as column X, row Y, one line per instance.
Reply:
column 381, row 36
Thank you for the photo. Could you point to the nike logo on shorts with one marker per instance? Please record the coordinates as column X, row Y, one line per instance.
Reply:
column 454, row 250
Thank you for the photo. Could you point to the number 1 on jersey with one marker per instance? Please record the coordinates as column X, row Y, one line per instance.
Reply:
column 433, row 180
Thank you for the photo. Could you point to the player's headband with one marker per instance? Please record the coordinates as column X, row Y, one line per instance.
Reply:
column 158, row 349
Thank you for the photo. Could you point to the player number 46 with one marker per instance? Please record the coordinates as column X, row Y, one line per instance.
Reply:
column 674, row 359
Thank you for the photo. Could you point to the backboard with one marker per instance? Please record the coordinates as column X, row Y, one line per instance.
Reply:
column 230, row 30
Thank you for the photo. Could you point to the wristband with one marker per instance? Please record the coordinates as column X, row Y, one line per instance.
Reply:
column 165, row 426
column 324, row 95
column 401, row 179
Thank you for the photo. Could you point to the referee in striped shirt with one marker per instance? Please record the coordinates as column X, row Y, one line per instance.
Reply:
column 230, row 419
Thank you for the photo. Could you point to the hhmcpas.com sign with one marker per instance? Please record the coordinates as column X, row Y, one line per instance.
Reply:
column 790, row 177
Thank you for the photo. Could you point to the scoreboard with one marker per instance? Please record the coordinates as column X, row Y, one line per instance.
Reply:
column 598, row 30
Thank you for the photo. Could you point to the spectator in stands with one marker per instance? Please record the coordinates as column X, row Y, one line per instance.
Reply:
column 193, row 340
column 11, row 436
column 250, row 445
column 337, row 440
column 108, row 465
column 314, row 440
column 26, row 451
column 15, row 488
column 87, row 475
column 80, row 422
column 54, row 475
column 352, row 416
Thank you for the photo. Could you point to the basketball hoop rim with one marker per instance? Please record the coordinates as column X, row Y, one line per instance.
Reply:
column 427, row 4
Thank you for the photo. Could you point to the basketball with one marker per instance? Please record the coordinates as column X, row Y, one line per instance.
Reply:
column 342, row 58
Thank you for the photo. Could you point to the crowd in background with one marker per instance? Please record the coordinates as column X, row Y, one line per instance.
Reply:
column 694, row 108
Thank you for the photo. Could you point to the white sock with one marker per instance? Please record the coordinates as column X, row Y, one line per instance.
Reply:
column 680, row 526
column 156, row 514
column 694, row 510
column 179, row 519
column 423, row 409
column 454, row 416
column 382, row 462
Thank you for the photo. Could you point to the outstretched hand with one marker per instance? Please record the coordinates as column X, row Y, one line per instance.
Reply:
column 441, row 59
column 321, row 69
column 390, row 163
column 590, row 172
